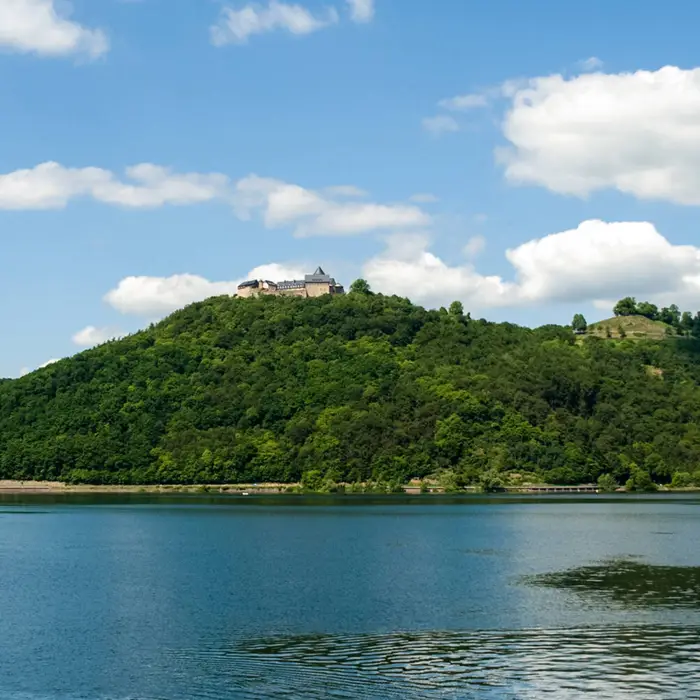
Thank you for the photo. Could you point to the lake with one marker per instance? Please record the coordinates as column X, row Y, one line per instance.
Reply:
column 117, row 597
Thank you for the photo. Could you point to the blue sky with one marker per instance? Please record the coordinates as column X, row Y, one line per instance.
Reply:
column 156, row 153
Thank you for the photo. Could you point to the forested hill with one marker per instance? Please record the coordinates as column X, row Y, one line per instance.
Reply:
column 355, row 388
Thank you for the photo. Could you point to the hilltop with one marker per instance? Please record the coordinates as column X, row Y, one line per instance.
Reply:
column 352, row 388
column 633, row 327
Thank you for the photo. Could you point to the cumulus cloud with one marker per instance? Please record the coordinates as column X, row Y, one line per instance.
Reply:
column 638, row 133
column 595, row 262
column 236, row 26
column 440, row 124
column 91, row 336
column 157, row 296
column 51, row 186
column 35, row 26
column 313, row 213
column 361, row 10
column 324, row 212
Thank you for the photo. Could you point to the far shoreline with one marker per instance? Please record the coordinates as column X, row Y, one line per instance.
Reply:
column 14, row 487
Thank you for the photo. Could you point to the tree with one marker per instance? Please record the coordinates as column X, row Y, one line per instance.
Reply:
column 456, row 309
column 626, row 307
column 607, row 483
column 695, row 331
column 622, row 332
column 687, row 322
column 670, row 315
column 579, row 324
column 640, row 480
column 360, row 286
column 648, row 310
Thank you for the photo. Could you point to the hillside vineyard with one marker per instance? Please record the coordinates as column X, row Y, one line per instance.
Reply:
column 353, row 388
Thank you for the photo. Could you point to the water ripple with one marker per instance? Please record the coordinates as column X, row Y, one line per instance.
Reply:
column 602, row 663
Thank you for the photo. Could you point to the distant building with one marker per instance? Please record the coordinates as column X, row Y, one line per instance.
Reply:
column 315, row 285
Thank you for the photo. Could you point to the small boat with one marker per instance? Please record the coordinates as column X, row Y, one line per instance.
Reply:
column 245, row 493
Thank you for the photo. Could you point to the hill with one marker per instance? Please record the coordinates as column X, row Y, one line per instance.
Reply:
column 632, row 327
column 353, row 388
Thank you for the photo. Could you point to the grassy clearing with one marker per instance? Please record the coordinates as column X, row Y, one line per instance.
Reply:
column 631, row 327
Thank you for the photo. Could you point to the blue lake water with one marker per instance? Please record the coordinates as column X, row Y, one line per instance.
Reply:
column 354, row 597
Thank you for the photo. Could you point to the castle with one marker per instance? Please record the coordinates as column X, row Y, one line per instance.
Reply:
column 315, row 285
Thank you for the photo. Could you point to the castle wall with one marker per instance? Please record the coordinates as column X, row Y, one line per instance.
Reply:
column 247, row 292
column 317, row 289
column 297, row 292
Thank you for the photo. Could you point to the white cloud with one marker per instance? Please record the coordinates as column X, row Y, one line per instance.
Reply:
column 236, row 26
column 35, row 26
column 157, row 296
column 52, row 186
column 590, row 64
column 593, row 263
column 90, row 336
column 638, row 133
column 361, row 10
column 462, row 103
column 326, row 212
column 313, row 213
column 440, row 124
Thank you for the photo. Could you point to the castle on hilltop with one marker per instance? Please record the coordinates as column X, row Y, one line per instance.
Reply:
column 315, row 285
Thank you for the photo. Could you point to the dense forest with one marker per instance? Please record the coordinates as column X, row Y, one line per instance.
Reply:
column 356, row 388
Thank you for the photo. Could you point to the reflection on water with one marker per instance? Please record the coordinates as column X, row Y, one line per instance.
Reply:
column 600, row 662
column 629, row 583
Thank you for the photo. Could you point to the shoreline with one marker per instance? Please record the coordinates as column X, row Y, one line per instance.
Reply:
column 11, row 487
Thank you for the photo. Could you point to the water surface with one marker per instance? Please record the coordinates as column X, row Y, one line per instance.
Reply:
column 121, row 597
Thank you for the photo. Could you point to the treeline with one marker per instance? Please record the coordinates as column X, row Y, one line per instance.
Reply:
column 684, row 322
column 357, row 388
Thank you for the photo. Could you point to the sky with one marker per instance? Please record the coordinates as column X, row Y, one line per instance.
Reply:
column 531, row 160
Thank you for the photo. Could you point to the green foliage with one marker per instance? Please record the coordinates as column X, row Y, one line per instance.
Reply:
column 626, row 307
column 640, row 480
column 360, row 286
column 361, row 389
column 682, row 480
column 648, row 310
column 607, row 483
column 579, row 323
column 456, row 309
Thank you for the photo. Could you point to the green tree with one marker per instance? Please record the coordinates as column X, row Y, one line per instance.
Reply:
column 607, row 483
column 621, row 331
column 648, row 310
column 626, row 307
column 640, row 480
column 670, row 315
column 457, row 309
column 687, row 322
column 695, row 330
column 682, row 480
column 360, row 286
column 579, row 324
